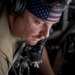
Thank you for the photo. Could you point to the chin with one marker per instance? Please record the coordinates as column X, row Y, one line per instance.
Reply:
column 32, row 43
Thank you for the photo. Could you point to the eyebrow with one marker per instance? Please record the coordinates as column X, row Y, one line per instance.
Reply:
column 38, row 19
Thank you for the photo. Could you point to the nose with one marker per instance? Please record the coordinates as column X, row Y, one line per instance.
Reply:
column 45, row 31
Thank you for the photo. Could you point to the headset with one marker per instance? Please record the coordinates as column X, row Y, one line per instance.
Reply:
column 16, row 7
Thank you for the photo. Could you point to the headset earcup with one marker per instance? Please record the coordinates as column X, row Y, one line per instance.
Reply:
column 16, row 7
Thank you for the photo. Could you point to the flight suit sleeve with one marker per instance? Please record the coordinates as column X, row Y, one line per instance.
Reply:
column 4, row 64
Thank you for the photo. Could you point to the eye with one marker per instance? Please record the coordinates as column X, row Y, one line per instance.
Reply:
column 39, row 23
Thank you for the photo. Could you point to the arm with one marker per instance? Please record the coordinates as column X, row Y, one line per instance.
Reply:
column 45, row 66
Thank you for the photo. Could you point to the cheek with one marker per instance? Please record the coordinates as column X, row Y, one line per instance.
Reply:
column 32, row 31
column 18, row 28
column 25, row 30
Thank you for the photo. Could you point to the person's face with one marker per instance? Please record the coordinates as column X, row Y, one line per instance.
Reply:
column 30, row 28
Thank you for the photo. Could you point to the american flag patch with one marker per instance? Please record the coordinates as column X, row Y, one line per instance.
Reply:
column 55, row 13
